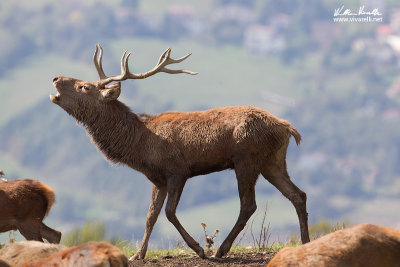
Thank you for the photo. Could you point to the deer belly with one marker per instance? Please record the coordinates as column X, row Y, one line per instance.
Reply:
column 206, row 163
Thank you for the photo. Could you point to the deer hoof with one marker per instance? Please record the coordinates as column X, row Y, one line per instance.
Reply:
column 135, row 257
column 219, row 254
column 202, row 255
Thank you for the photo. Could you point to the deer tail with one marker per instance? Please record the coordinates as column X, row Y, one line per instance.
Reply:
column 50, row 197
column 295, row 134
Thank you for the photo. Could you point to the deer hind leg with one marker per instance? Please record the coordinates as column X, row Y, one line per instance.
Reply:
column 246, row 185
column 51, row 235
column 175, row 188
column 278, row 176
column 30, row 230
column 157, row 201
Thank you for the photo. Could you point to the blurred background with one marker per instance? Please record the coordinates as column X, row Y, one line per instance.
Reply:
column 336, row 81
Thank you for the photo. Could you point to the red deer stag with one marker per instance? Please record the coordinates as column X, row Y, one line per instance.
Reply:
column 172, row 147
column 24, row 204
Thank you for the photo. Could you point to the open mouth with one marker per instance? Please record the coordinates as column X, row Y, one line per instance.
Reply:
column 55, row 98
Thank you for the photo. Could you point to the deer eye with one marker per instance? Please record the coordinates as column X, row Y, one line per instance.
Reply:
column 85, row 87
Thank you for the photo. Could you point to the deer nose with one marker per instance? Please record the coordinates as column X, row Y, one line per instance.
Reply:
column 55, row 79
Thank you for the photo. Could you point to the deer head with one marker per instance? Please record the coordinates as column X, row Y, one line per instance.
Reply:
column 74, row 94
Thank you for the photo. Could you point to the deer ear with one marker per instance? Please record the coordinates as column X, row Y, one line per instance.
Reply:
column 112, row 92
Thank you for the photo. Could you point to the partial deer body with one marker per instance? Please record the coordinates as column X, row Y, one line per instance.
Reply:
column 172, row 147
column 23, row 206
column 90, row 254
column 363, row 245
column 17, row 254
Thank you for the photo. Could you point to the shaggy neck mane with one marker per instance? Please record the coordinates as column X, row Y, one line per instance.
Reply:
column 114, row 129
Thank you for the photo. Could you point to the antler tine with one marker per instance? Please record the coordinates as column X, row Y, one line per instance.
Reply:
column 173, row 61
column 126, row 64
column 123, row 62
column 98, row 62
column 179, row 71
column 101, row 61
column 164, row 56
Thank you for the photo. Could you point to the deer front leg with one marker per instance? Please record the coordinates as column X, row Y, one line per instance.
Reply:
column 175, row 187
column 157, row 200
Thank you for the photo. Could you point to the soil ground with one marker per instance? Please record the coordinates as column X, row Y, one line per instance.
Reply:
column 235, row 258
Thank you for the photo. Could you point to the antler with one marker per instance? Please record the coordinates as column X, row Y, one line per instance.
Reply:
column 163, row 61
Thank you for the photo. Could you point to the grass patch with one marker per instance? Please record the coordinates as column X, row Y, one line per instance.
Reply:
column 188, row 253
column 176, row 252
